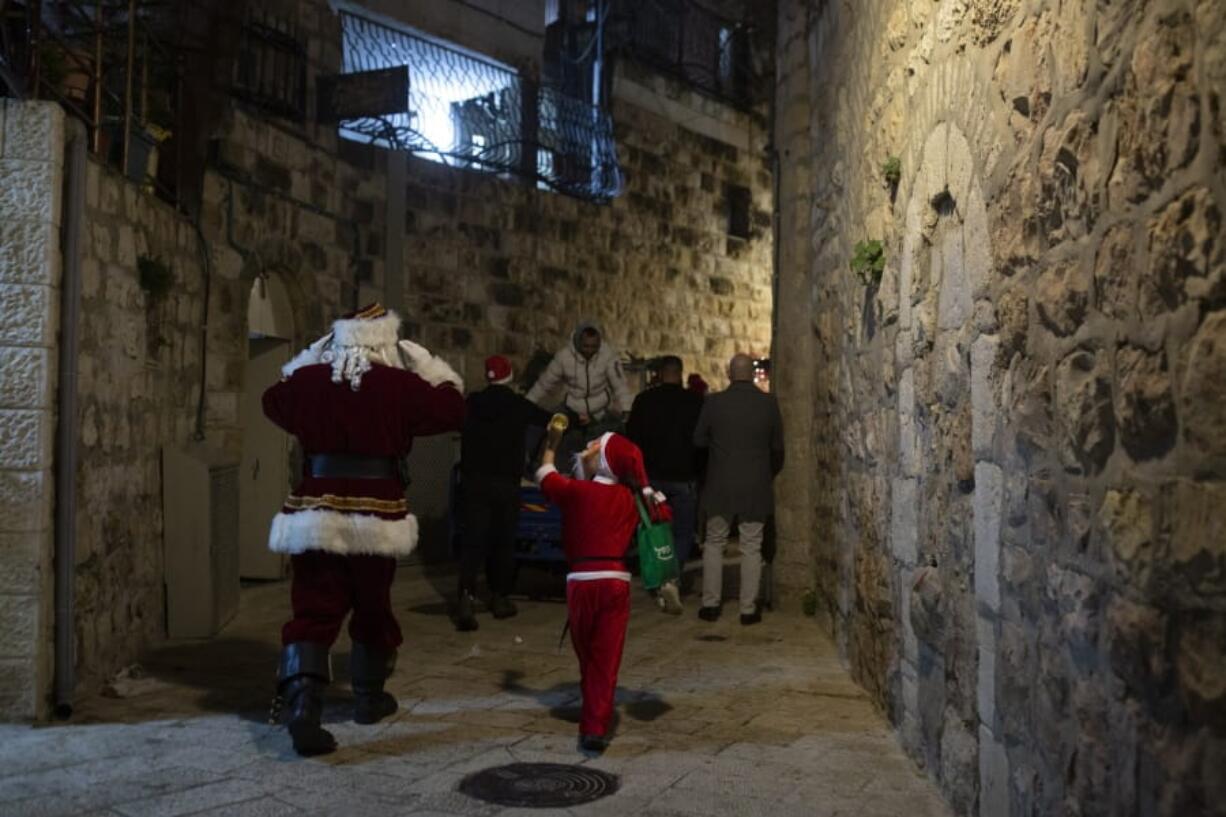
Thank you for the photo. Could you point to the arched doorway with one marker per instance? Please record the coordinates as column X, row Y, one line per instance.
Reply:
column 264, row 472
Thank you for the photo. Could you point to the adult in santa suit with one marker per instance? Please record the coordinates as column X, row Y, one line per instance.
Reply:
column 355, row 399
column 599, row 516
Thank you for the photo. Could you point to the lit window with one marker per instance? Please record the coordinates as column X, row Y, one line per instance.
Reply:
column 465, row 109
column 452, row 91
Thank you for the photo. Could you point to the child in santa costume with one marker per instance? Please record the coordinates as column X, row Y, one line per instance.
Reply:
column 599, row 517
column 355, row 399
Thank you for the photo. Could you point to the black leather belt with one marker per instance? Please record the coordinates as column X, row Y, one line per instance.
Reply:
column 352, row 466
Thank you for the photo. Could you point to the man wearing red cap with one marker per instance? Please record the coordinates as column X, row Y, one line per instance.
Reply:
column 491, row 466
column 355, row 399
column 599, row 516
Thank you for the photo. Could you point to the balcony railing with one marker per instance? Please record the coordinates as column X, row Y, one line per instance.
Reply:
column 681, row 38
column 107, row 64
column 466, row 110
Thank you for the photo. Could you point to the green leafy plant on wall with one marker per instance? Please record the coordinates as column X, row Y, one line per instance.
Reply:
column 891, row 171
column 156, row 277
column 808, row 603
column 868, row 262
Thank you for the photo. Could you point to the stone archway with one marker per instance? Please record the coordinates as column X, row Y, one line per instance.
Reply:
column 946, row 514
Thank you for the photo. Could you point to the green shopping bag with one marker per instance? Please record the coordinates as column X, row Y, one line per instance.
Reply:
column 657, row 559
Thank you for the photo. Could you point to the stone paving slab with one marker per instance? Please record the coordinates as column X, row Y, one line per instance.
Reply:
column 714, row 718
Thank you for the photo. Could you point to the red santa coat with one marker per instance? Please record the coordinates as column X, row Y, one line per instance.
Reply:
column 355, row 516
column 598, row 520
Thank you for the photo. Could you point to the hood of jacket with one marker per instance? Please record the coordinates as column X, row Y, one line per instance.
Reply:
column 582, row 327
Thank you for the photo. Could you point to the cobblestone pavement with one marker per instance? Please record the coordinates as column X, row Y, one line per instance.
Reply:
column 715, row 718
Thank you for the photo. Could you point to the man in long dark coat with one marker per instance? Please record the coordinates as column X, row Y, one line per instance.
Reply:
column 743, row 432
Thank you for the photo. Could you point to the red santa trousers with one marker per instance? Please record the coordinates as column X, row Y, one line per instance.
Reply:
column 599, row 612
column 326, row 586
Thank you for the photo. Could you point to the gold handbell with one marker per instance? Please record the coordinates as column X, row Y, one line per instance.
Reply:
column 559, row 423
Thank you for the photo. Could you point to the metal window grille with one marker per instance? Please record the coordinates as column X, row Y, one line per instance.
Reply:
column 684, row 39
column 468, row 111
column 271, row 68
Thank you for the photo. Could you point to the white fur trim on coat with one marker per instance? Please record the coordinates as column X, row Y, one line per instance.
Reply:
column 372, row 333
column 307, row 357
column 343, row 533
column 430, row 368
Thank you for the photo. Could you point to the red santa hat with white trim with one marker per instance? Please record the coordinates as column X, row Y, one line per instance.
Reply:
column 621, row 460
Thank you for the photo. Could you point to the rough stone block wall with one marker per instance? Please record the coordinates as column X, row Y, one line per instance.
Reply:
column 31, row 175
column 284, row 204
column 1018, row 431
column 490, row 266
column 500, row 267
column 494, row 265
column 138, row 379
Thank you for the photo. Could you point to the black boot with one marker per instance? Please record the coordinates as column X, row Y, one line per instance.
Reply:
column 368, row 669
column 301, row 679
column 465, row 613
column 502, row 607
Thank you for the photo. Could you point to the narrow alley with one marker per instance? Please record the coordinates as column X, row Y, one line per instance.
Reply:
column 920, row 302
column 713, row 719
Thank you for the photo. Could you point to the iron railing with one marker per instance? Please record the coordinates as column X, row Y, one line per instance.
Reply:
column 468, row 111
column 681, row 38
column 107, row 64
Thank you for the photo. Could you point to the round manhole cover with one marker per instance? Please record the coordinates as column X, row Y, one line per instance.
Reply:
column 539, row 785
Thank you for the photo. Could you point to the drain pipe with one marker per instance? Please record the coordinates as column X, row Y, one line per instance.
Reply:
column 72, row 226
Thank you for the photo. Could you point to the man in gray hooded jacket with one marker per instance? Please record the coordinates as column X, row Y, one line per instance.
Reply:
column 590, row 370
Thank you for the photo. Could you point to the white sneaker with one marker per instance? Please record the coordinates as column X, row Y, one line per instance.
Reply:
column 669, row 598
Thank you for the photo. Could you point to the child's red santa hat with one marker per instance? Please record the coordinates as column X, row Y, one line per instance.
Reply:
column 622, row 461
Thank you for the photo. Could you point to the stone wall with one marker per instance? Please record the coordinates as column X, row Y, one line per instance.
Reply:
column 1017, row 434
column 138, row 382
column 500, row 267
column 31, row 175
column 489, row 265
column 496, row 265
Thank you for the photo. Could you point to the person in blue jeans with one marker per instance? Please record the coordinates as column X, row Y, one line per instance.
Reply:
column 662, row 422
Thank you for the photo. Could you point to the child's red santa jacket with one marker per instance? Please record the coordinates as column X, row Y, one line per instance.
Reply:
column 380, row 420
column 598, row 520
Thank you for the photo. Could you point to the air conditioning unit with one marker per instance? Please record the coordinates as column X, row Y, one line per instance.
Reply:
column 200, row 541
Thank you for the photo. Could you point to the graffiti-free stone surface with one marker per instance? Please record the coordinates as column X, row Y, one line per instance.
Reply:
column 1054, row 445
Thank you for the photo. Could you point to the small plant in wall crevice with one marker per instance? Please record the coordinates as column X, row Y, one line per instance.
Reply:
column 891, row 171
column 868, row 262
column 156, row 277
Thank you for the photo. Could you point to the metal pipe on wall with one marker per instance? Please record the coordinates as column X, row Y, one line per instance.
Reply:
column 127, row 95
column 96, row 109
column 72, row 225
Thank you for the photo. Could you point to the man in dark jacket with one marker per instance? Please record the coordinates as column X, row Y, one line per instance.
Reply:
column 743, row 432
column 662, row 424
column 491, row 465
